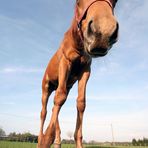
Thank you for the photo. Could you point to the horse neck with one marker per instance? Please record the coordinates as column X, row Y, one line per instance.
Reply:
column 75, row 35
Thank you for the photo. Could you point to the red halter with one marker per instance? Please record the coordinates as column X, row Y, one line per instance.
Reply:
column 80, row 18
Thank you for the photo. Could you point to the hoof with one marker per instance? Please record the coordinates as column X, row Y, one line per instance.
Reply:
column 57, row 145
column 79, row 146
column 43, row 146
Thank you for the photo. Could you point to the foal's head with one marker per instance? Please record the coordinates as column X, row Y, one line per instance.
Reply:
column 98, row 25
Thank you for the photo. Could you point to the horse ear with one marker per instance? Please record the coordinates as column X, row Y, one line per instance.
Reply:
column 77, row 1
column 114, row 2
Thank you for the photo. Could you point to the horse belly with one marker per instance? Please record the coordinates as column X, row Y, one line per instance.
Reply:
column 71, row 81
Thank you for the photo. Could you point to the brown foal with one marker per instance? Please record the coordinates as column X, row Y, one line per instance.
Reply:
column 93, row 31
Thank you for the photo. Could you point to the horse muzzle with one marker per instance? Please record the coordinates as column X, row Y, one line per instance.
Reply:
column 97, row 43
column 97, row 52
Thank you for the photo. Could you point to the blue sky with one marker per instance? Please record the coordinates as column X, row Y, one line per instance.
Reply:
column 117, row 92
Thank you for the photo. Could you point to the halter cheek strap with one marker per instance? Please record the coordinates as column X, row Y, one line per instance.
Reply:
column 80, row 18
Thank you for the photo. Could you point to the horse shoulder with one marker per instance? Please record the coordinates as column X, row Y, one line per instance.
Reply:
column 53, row 66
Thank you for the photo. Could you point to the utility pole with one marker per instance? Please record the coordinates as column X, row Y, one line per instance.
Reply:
column 113, row 140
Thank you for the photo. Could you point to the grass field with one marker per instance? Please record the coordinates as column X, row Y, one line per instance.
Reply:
column 6, row 144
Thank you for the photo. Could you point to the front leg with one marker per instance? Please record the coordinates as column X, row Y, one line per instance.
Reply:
column 81, row 101
column 59, row 99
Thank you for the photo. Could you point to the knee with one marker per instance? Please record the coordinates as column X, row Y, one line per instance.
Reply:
column 60, row 96
column 44, row 108
column 81, row 104
column 43, row 113
column 44, row 100
column 78, row 136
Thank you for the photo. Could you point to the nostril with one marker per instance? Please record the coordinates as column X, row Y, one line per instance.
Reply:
column 114, row 36
column 90, row 27
column 93, row 30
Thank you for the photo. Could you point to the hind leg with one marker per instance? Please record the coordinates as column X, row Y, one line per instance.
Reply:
column 59, row 99
column 46, row 92
column 57, row 142
column 45, row 97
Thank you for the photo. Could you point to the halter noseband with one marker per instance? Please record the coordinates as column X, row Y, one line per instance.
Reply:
column 80, row 18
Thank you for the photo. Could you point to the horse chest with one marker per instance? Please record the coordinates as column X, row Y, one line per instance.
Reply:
column 76, row 70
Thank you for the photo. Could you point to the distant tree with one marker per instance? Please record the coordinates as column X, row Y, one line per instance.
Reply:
column 145, row 141
column 70, row 134
column 140, row 142
column 64, row 141
column 134, row 142
column 12, row 134
column 2, row 133
column 84, row 142
column 24, row 137
column 92, row 142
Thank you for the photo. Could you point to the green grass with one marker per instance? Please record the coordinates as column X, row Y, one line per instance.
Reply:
column 7, row 144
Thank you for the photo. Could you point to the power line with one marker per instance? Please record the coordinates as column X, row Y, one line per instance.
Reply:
column 113, row 140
